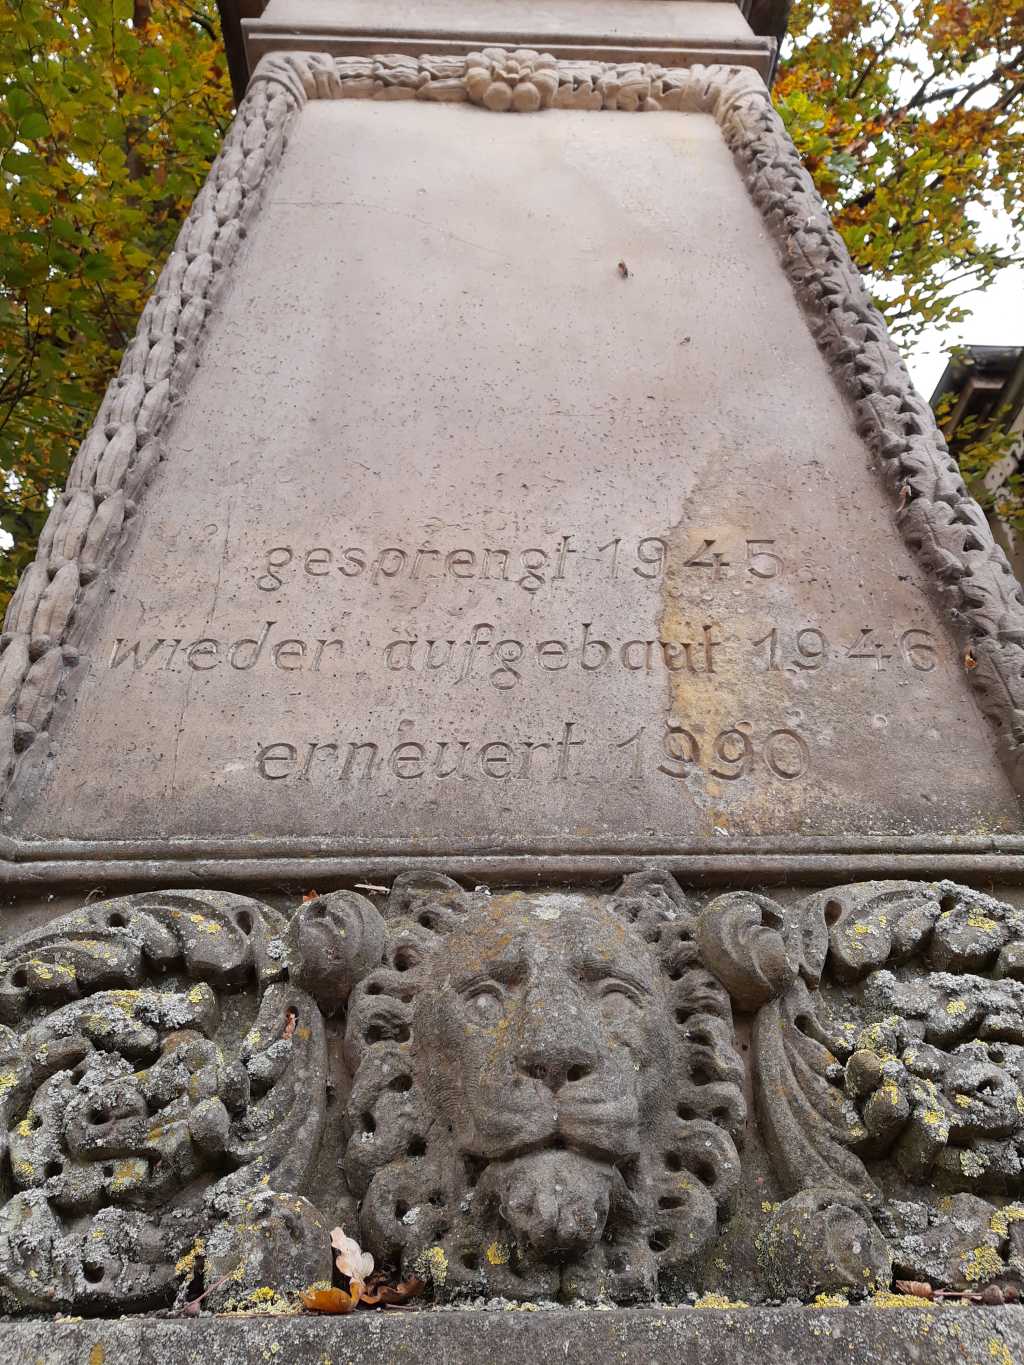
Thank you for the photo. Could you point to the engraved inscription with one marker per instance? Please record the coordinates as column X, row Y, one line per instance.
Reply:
column 289, row 653
column 644, row 558
column 809, row 649
column 486, row 652
column 697, row 625
column 740, row 750
column 529, row 568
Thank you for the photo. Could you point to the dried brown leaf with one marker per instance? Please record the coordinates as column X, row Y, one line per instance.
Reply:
column 917, row 1288
column 391, row 1295
column 290, row 1020
column 328, row 1300
column 310, row 896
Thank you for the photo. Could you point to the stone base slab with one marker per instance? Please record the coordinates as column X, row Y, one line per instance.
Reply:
column 648, row 1336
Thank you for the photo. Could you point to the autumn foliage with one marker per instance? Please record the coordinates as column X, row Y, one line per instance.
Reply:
column 110, row 113
column 910, row 117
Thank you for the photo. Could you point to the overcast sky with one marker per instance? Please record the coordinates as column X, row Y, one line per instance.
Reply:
column 997, row 319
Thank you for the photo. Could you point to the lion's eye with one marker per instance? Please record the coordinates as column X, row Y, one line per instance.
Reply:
column 486, row 1003
column 617, row 998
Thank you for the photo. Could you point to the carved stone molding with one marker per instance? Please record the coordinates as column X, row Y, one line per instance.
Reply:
column 47, row 623
column 540, row 1094
column 48, row 619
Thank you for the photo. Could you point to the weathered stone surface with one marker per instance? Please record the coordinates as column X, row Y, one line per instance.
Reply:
column 821, row 1242
column 947, row 1336
column 661, row 650
column 468, row 550
column 537, row 1094
column 566, row 1126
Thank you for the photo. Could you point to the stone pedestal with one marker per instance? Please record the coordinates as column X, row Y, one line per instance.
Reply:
column 515, row 598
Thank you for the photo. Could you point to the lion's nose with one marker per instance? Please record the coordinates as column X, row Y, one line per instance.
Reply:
column 557, row 1056
column 554, row 1074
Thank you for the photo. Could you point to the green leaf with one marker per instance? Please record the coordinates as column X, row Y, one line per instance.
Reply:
column 33, row 125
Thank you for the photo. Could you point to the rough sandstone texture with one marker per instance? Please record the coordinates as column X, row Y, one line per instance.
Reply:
column 533, row 1095
column 983, row 1336
column 566, row 1092
column 741, row 671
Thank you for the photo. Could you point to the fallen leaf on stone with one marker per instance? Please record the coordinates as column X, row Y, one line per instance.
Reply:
column 351, row 1260
column 969, row 660
column 328, row 1300
column 391, row 1295
column 290, row 1020
column 310, row 896
column 917, row 1288
column 624, row 270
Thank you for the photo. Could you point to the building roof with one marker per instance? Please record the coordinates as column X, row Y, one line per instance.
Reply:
column 986, row 382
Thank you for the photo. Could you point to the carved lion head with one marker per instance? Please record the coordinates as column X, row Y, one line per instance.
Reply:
column 545, row 1093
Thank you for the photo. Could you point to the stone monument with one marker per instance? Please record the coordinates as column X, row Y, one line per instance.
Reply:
column 512, row 745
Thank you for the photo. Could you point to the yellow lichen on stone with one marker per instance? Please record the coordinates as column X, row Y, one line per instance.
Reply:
column 8, row 1080
column 187, row 1264
column 830, row 1301
column 989, row 926
column 1002, row 1218
column 497, row 1253
column 719, row 1301
column 999, row 1351
column 885, row 1299
column 265, row 1301
column 957, row 1007
column 435, row 1264
column 208, row 926
column 128, row 1173
column 981, row 1263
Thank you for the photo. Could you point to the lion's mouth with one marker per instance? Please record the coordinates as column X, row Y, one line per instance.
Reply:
column 589, row 1127
column 556, row 1201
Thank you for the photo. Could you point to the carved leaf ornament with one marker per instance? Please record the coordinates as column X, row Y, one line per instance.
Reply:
column 545, row 1094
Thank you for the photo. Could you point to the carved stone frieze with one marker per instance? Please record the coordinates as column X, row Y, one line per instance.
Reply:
column 539, row 1093
column 46, row 624
column 546, row 1090
column 124, row 1123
